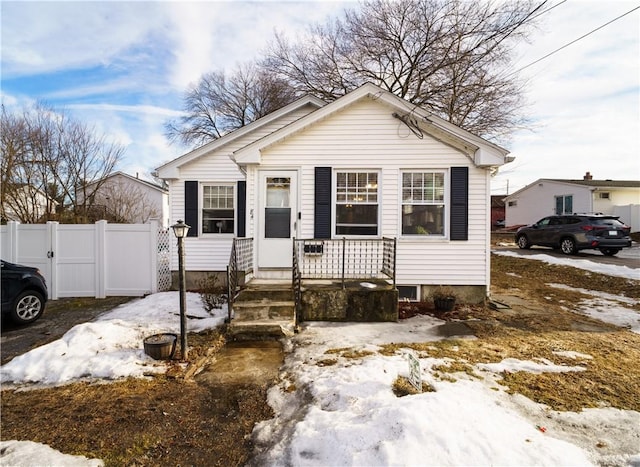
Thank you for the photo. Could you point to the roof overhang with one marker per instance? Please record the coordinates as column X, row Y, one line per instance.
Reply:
column 171, row 170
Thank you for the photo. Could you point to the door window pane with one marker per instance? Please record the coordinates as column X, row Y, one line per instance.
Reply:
column 277, row 213
column 278, row 192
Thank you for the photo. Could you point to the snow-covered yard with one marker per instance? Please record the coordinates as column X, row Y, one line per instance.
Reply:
column 345, row 413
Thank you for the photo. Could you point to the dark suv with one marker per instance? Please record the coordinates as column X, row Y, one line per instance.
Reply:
column 575, row 232
column 24, row 292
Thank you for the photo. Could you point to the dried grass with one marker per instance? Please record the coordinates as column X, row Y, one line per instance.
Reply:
column 169, row 420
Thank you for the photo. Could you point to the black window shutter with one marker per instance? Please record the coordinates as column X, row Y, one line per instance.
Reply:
column 241, row 211
column 322, row 207
column 191, row 207
column 459, row 211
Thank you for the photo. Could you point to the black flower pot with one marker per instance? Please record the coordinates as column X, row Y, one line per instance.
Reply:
column 160, row 346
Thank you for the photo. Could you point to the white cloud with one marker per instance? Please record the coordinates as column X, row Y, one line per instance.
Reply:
column 43, row 37
column 136, row 109
column 219, row 35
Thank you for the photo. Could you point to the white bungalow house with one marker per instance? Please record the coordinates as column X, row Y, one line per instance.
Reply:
column 549, row 196
column 366, row 167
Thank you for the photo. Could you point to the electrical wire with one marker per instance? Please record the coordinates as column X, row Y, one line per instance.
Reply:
column 574, row 41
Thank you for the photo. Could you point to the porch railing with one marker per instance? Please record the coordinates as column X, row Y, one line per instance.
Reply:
column 240, row 261
column 346, row 259
column 296, row 282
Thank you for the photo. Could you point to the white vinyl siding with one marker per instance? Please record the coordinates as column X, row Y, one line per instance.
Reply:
column 211, row 252
column 361, row 137
column 365, row 135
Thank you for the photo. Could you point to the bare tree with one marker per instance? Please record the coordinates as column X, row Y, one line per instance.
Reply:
column 49, row 158
column 451, row 57
column 218, row 104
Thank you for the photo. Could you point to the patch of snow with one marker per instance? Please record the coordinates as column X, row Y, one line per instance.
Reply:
column 26, row 453
column 609, row 269
column 606, row 307
column 597, row 293
column 572, row 354
column 513, row 365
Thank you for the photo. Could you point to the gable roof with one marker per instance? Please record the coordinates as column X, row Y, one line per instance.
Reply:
column 135, row 179
column 608, row 184
column 169, row 169
column 482, row 152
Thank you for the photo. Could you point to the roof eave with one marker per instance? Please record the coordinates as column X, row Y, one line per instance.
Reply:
column 171, row 170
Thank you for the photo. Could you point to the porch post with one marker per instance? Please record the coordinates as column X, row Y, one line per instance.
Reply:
column 344, row 242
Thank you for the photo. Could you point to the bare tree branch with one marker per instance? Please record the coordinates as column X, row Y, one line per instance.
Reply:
column 450, row 57
column 47, row 159
column 217, row 104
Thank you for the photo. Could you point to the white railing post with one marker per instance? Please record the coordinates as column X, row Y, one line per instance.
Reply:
column 100, row 258
column 12, row 232
column 52, row 235
column 154, row 227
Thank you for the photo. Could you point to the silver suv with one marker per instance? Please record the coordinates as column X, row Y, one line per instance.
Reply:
column 574, row 232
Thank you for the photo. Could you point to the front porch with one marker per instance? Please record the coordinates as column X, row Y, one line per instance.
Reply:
column 331, row 280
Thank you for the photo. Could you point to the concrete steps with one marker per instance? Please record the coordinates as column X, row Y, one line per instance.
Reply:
column 263, row 311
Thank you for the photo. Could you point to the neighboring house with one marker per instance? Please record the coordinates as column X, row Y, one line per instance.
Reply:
column 27, row 204
column 497, row 211
column 365, row 166
column 127, row 199
column 548, row 196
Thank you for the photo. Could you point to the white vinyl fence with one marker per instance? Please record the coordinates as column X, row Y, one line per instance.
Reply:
column 630, row 215
column 92, row 260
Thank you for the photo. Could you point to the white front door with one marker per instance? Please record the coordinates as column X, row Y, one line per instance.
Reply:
column 277, row 218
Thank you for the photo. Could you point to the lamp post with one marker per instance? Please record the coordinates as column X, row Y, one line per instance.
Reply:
column 180, row 230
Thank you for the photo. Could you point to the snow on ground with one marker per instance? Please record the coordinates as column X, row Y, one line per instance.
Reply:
column 608, row 269
column 607, row 307
column 346, row 414
column 19, row 453
column 112, row 346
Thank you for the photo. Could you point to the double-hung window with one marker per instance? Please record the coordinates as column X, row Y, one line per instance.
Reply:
column 357, row 203
column 423, row 203
column 218, row 209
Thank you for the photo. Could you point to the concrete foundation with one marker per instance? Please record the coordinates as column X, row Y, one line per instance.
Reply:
column 193, row 278
column 471, row 294
column 364, row 301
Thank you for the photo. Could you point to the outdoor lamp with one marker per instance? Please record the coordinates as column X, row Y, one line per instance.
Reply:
column 180, row 229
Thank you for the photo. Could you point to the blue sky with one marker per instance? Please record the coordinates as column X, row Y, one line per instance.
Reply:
column 122, row 68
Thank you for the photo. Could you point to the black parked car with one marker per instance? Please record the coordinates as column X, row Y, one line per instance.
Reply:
column 576, row 232
column 24, row 292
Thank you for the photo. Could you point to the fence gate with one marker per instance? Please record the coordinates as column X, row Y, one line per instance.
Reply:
column 92, row 260
column 164, row 261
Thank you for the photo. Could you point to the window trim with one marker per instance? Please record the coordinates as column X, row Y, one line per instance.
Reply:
column 446, row 202
column 334, row 202
column 417, row 289
column 564, row 199
column 201, row 209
